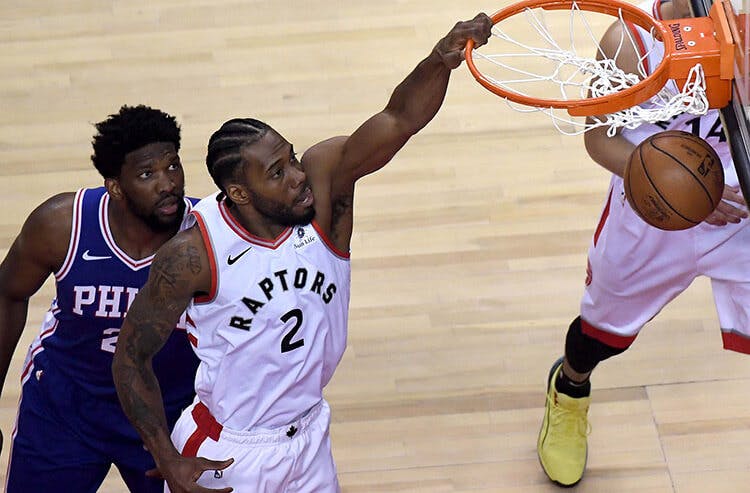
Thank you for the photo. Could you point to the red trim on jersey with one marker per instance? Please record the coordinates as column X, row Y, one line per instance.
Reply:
column 603, row 219
column 193, row 340
column 328, row 242
column 207, row 427
column 735, row 341
column 211, row 261
column 74, row 236
column 235, row 226
column 614, row 340
column 189, row 320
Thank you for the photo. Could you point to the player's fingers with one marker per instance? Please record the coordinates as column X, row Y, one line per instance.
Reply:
column 715, row 219
column 723, row 214
column 733, row 194
column 154, row 473
column 201, row 489
column 215, row 465
column 731, row 211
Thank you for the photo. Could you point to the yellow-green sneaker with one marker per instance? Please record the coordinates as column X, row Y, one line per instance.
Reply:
column 562, row 445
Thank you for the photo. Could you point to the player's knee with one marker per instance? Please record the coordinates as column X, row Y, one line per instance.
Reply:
column 584, row 352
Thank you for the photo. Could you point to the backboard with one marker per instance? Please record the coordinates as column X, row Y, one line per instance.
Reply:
column 736, row 116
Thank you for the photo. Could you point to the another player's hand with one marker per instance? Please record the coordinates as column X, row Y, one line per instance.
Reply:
column 181, row 473
column 727, row 211
column 451, row 47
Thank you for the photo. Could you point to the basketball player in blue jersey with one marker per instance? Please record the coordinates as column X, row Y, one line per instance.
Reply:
column 264, row 276
column 634, row 269
column 99, row 244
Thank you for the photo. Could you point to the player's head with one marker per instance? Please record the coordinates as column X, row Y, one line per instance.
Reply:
column 136, row 151
column 253, row 165
column 680, row 9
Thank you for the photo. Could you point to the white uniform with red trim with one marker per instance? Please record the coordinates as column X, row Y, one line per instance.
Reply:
column 635, row 269
column 269, row 336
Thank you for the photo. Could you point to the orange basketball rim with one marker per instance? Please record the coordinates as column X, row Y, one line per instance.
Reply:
column 687, row 42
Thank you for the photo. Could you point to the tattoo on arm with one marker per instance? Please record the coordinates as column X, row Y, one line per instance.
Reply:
column 149, row 323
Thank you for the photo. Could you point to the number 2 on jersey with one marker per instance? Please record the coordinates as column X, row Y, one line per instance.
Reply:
column 286, row 343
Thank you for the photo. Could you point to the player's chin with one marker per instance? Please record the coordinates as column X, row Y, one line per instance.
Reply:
column 304, row 215
column 165, row 221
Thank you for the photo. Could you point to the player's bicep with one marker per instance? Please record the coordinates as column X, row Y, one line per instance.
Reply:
column 38, row 250
column 373, row 144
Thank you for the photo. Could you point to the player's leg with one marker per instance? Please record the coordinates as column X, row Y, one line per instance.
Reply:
column 727, row 262
column 315, row 469
column 634, row 271
column 45, row 453
column 136, row 480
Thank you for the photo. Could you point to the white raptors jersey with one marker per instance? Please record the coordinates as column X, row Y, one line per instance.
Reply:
column 273, row 328
column 707, row 126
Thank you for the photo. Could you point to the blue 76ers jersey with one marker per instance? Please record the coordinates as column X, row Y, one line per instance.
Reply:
column 95, row 287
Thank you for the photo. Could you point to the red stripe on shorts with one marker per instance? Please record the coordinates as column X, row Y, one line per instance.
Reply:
column 208, row 427
column 608, row 338
column 736, row 342
column 603, row 219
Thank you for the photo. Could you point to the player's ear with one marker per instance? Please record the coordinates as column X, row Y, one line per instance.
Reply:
column 113, row 188
column 237, row 194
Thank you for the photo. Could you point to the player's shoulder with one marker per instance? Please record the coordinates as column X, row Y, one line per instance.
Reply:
column 324, row 153
column 54, row 214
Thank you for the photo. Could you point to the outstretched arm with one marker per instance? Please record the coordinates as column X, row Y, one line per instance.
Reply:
column 179, row 270
column 414, row 102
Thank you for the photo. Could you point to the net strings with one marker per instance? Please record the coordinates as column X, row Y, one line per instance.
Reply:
column 584, row 76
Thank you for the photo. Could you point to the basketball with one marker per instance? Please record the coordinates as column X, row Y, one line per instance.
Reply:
column 673, row 180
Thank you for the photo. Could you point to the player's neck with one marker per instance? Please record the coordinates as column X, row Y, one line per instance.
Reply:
column 132, row 234
column 255, row 223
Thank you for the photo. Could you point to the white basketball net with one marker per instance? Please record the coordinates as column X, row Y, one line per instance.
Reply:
column 570, row 76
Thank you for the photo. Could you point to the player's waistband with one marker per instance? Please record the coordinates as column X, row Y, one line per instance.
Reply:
column 213, row 429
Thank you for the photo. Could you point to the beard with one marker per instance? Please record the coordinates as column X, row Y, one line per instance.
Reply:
column 167, row 223
column 281, row 213
column 157, row 222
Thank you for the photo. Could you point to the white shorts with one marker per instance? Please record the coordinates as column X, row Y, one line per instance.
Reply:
column 295, row 458
column 635, row 270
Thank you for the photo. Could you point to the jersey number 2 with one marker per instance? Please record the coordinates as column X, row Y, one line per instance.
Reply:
column 286, row 343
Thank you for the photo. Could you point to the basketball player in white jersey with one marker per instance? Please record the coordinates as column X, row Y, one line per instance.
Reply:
column 264, row 277
column 634, row 269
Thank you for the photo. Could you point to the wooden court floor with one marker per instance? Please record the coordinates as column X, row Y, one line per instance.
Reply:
column 469, row 251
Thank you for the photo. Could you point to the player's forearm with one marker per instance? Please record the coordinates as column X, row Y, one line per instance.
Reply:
column 12, row 321
column 611, row 153
column 141, row 400
column 417, row 99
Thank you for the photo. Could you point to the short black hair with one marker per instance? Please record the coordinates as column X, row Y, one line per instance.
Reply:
column 131, row 128
column 223, row 159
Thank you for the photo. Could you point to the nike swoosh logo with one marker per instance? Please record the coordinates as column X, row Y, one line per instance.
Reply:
column 87, row 256
column 231, row 260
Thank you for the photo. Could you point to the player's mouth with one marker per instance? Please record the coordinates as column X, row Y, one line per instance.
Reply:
column 168, row 206
column 305, row 199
